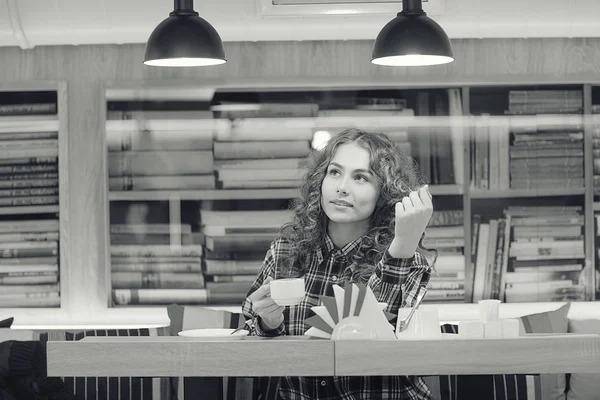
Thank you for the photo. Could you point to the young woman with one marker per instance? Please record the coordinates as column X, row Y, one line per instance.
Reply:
column 360, row 217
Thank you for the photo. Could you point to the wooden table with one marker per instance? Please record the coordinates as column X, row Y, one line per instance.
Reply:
column 177, row 356
column 303, row 356
column 533, row 354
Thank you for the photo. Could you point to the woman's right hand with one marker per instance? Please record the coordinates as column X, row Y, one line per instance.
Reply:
column 271, row 315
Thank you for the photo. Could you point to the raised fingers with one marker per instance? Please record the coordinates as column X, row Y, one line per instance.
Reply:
column 425, row 196
column 407, row 203
column 414, row 198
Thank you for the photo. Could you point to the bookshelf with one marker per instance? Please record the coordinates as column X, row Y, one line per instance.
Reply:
column 33, row 195
column 476, row 181
column 592, row 99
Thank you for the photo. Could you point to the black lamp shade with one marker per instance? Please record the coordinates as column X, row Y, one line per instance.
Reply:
column 184, row 41
column 410, row 40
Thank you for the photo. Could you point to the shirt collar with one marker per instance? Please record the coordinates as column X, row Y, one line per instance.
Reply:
column 328, row 248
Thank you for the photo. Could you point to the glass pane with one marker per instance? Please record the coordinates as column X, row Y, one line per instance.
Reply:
column 213, row 178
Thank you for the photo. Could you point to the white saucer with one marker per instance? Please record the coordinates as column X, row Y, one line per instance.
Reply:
column 292, row 301
column 214, row 334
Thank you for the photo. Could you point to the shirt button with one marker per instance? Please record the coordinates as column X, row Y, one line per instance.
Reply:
column 334, row 278
column 323, row 383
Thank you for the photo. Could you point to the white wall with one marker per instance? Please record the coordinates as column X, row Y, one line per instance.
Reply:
column 29, row 23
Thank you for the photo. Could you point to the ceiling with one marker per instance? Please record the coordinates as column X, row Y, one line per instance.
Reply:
column 30, row 23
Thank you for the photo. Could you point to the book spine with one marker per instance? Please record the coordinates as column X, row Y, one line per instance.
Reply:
column 155, row 250
column 35, row 152
column 154, row 280
column 24, row 193
column 28, row 183
column 157, row 267
column 28, row 135
column 159, row 296
column 27, row 109
column 28, row 279
column 261, row 149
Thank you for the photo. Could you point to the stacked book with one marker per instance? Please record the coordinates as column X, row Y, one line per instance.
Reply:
column 531, row 102
column 236, row 243
column 597, row 263
column 595, row 128
column 546, row 254
column 377, row 118
column 547, row 150
column 533, row 253
column 490, row 258
column 437, row 136
column 535, row 152
column 596, row 149
column 156, row 264
column 490, row 158
column 160, row 150
column 445, row 233
column 29, row 255
column 28, row 171
column 266, row 145
column 29, row 205
column 262, row 153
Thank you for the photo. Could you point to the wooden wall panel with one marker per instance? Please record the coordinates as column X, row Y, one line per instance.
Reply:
column 87, row 68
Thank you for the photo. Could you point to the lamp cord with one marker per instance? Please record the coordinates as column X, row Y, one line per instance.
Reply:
column 183, row 8
column 184, row 5
column 412, row 7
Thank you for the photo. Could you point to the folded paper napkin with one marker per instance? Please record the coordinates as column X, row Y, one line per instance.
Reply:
column 353, row 313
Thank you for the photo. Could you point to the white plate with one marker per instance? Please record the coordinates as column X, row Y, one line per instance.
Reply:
column 288, row 302
column 214, row 334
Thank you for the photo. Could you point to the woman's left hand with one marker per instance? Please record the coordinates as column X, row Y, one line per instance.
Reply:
column 412, row 216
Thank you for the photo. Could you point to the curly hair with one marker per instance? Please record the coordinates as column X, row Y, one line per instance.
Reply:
column 396, row 174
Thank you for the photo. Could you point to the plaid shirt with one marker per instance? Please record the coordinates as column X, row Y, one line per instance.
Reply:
column 395, row 282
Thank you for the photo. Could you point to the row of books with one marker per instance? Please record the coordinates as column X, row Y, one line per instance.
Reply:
column 29, row 263
column 596, row 170
column 29, row 199
column 178, row 151
column 234, row 246
column 222, row 265
column 141, row 273
column 544, row 101
column 446, row 234
column 28, row 172
column 531, row 253
column 596, row 156
column 236, row 110
column 29, row 109
column 541, row 151
column 549, row 154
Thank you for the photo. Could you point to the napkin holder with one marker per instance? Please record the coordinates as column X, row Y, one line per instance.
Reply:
column 353, row 313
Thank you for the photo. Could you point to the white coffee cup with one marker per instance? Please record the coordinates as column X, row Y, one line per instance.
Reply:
column 287, row 291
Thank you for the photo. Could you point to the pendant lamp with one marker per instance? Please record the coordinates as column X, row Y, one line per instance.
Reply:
column 184, row 40
column 412, row 39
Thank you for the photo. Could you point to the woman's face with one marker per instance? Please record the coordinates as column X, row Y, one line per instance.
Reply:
column 349, row 191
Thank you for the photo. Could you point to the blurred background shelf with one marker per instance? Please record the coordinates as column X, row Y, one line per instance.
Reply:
column 235, row 194
column 143, row 195
column 514, row 193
